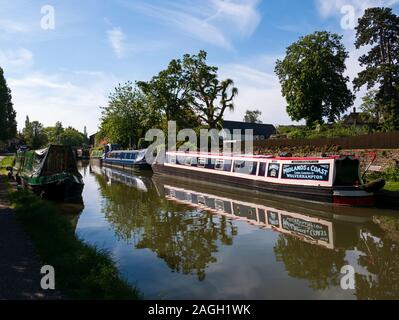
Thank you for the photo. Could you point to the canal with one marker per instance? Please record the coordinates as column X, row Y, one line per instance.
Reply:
column 186, row 240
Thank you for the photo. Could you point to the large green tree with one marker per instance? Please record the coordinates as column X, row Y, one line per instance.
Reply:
column 170, row 93
column 210, row 97
column 34, row 134
column 8, row 124
column 312, row 78
column 128, row 115
column 379, row 30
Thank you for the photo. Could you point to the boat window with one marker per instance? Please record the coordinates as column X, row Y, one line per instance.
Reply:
column 262, row 169
column 171, row 159
column 188, row 161
column 245, row 167
column 219, row 164
column 201, row 162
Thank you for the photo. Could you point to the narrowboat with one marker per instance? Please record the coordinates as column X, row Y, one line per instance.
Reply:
column 51, row 173
column 332, row 179
column 126, row 159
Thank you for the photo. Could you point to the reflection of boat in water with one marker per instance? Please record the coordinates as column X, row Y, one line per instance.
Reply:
column 309, row 224
column 121, row 176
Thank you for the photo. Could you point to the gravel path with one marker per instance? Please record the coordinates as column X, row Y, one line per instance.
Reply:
column 19, row 265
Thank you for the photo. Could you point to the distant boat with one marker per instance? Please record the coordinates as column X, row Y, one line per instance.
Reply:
column 330, row 179
column 51, row 173
column 127, row 159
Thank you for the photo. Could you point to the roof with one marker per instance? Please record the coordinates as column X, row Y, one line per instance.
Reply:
column 260, row 129
column 358, row 118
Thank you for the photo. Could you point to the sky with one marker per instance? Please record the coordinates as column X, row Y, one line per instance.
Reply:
column 62, row 59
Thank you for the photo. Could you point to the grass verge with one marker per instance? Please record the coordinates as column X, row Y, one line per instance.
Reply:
column 82, row 271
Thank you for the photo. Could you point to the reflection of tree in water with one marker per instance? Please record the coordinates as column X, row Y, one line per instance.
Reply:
column 320, row 266
column 185, row 239
column 381, row 259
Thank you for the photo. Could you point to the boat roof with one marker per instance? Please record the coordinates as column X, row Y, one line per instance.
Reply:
column 128, row 151
column 249, row 156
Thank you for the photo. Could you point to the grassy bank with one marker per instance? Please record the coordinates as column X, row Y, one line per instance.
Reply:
column 82, row 271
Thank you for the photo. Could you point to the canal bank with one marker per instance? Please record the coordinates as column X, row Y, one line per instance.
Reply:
column 19, row 264
column 34, row 227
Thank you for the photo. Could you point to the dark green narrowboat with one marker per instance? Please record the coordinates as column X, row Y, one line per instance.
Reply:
column 51, row 173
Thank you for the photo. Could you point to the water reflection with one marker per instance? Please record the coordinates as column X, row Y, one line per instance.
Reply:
column 214, row 233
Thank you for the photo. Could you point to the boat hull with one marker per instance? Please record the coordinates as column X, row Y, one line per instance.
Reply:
column 351, row 196
column 142, row 165
column 67, row 190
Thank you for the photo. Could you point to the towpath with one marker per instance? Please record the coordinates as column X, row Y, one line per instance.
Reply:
column 19, row 264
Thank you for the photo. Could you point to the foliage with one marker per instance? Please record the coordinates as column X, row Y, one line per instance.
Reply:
column 128, row 116
column 169, row 91
column 312, row 79
column 8, row 124
column 209, row 96
column 372, row 107
column 253, row 116
column 83, row 272
column 190, row 93
column 323, row 131
column 379, row 29
column 34, row 134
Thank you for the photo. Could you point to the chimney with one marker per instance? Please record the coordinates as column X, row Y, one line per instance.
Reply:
column 354, row 109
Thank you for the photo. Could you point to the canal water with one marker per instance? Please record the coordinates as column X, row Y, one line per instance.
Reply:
column 186, row 240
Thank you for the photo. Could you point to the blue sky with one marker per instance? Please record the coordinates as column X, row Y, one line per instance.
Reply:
column 67, row 72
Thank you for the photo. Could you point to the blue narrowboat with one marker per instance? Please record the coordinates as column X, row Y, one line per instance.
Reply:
column 127, row 159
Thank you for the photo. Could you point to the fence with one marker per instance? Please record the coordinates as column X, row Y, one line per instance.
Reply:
column 382, row 140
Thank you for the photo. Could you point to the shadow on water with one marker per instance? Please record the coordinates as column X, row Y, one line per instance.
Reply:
column 224, row 243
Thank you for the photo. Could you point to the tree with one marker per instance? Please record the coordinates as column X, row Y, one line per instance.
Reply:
column 169, row 91
column 72, row 137
column 54, row 133
column 128, row 116
column 209, row 96
column 312, row 80
column 379, row 29
column 8, row 124
column 34, row 134
column 372, row 108
column 253, row 116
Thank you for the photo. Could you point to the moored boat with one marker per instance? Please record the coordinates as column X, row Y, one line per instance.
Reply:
column 51, row 173
column 333, row 179
column 127, row 159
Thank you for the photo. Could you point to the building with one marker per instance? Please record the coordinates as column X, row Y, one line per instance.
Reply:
column 261, row 131
column 357, row 119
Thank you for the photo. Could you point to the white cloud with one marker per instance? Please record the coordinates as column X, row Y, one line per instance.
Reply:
column 61, row 97
column 16, row 58
column 117, row 38
column 9, row 26
column 212, row 21
column 257, row 90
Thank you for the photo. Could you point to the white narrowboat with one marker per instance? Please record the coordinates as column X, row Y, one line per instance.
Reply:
column 332, row 179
